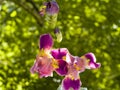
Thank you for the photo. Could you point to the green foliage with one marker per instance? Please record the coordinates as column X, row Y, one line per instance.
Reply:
column 86, row 25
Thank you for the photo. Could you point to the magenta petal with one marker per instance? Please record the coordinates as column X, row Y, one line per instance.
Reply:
column 68, row 83
column 92, row 62
column 46, row 41
column 91, row 56
column 52, row 7
column 59, row 53
column 63, row 69
column 93, row 65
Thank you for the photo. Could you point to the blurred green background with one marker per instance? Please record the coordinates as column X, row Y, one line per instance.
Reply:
column 86, row 25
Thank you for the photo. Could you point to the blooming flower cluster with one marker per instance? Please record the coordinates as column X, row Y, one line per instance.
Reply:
column 60, row 60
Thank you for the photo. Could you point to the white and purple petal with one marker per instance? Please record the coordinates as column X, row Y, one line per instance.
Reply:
column 46, row 41
column 92, row 61
column 43, row 66
column 80, row 64
column 68, row 84
column 69, row 58
column 75, row 63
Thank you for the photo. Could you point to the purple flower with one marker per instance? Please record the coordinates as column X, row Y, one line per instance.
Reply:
column 50, row 9
column 62, row 62
column 76, row 65
column 59, row 55
column 43, row 63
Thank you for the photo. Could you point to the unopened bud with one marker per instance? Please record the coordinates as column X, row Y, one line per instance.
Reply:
column 58, row 34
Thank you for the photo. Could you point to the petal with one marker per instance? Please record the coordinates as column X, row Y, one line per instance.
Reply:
column 92, row 61
column 52, row 8
column 43, row 66
column 62, row 68
column 91, row 56
column 93, row 65
column 73, row 73
column 33, row 68
column 80, row 64
column 75, row 62
column 46, row 41
column 59, row 53
column 68, row 84
column 70, row 58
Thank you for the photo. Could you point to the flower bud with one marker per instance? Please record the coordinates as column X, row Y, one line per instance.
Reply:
column 58, row 34
column 50, row 8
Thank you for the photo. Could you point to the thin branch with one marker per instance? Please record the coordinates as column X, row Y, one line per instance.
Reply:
column 33, row 4
column 114, row 76
column 32, row 9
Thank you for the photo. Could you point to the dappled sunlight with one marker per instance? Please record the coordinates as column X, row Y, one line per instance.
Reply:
column 86, row 26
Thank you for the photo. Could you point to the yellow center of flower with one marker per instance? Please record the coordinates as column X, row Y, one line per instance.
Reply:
column 64, row 58
column 77, row 67
column 55, row 64
column 87, row 61
column 71, row 76
column 42, row 53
